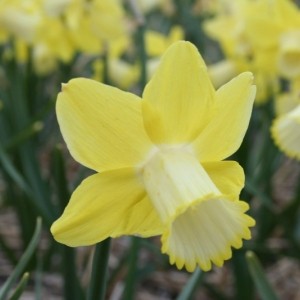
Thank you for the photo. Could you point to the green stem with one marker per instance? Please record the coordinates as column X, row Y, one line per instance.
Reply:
column 132, row 269
column 191, row 285
column 244, row 287
column 23, row 261
column 262, row 284
column 139, row 17
column 98, row 282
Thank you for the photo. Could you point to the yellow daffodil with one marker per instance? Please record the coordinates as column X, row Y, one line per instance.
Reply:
column 93, row 22
column 120, row 72
column 157, row 43
column 44, row 60
column 286, row 133
column 288, row 100
column 222, row 71
column 229, row 28
column 273, row 28
column 55, row 8
column 159, row 161
column 286, row 127
column 57, row 40
column 20, row 21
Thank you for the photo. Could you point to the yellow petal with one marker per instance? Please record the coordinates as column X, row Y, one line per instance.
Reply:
column 107, row 204
column 178, row 98
column 264, row 33
column 155, row 43
column 205, row 233
column 101, row 125
column 226, row 130
column 228, row 176
column 289, row 54
column 286, row 133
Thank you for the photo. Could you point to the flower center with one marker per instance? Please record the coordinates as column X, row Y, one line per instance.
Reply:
column 174, row 180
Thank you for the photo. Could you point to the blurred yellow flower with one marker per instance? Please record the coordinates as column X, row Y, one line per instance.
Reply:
column 56, row 30
column 286, row 127
column 55, row 8
column 273, row 28
column 57, row 40
column 228, row 27
column 288, row 100
column 120, row 72
column 157, row 43
column 260, row 36
column 91, row 23
column 20, row 20
column 222, row 71
column 159, row 161
column 286, row 133
column 44, row 61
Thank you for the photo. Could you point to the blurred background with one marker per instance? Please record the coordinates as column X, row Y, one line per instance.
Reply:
column 46, row 42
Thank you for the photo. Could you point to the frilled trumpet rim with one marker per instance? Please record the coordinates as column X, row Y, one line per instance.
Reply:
column 286, row 133
column 201, row 223
column 206, row 232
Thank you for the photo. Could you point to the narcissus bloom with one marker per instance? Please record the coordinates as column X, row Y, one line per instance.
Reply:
column 286, row 133
column 273, row 29
column 159, row 161
column 286, row 126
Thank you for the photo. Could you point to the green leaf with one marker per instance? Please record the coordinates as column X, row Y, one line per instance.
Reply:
column 98, row 281
column 262, row 284
column 20, row 287
column 191, row 285
column 19, row 269
column 131, row 278
column 17, row 177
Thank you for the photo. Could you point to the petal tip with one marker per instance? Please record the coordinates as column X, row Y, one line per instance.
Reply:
column 248, row 76
column 63, row 86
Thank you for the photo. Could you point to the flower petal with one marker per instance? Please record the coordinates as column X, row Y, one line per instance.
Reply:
column 101, row 125
column 178, row 98
column 228, row 176
column 206, row 232
column 289, row 54
column 286, row 133
column 224, row 134
column 107, row 204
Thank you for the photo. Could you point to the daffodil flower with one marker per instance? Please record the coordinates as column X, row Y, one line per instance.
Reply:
column 159, row 161
column 286, row 133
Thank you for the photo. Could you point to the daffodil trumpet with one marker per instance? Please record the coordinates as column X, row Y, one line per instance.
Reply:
column 159, row 161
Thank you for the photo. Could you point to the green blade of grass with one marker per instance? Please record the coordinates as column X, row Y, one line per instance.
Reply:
column 98, row 281
column 262, row 284
column 72, row 287
column 131, row 278
column 190, row 288
column 19, row 269
column 20, row 287
column 20, row 181
column 244, row 288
